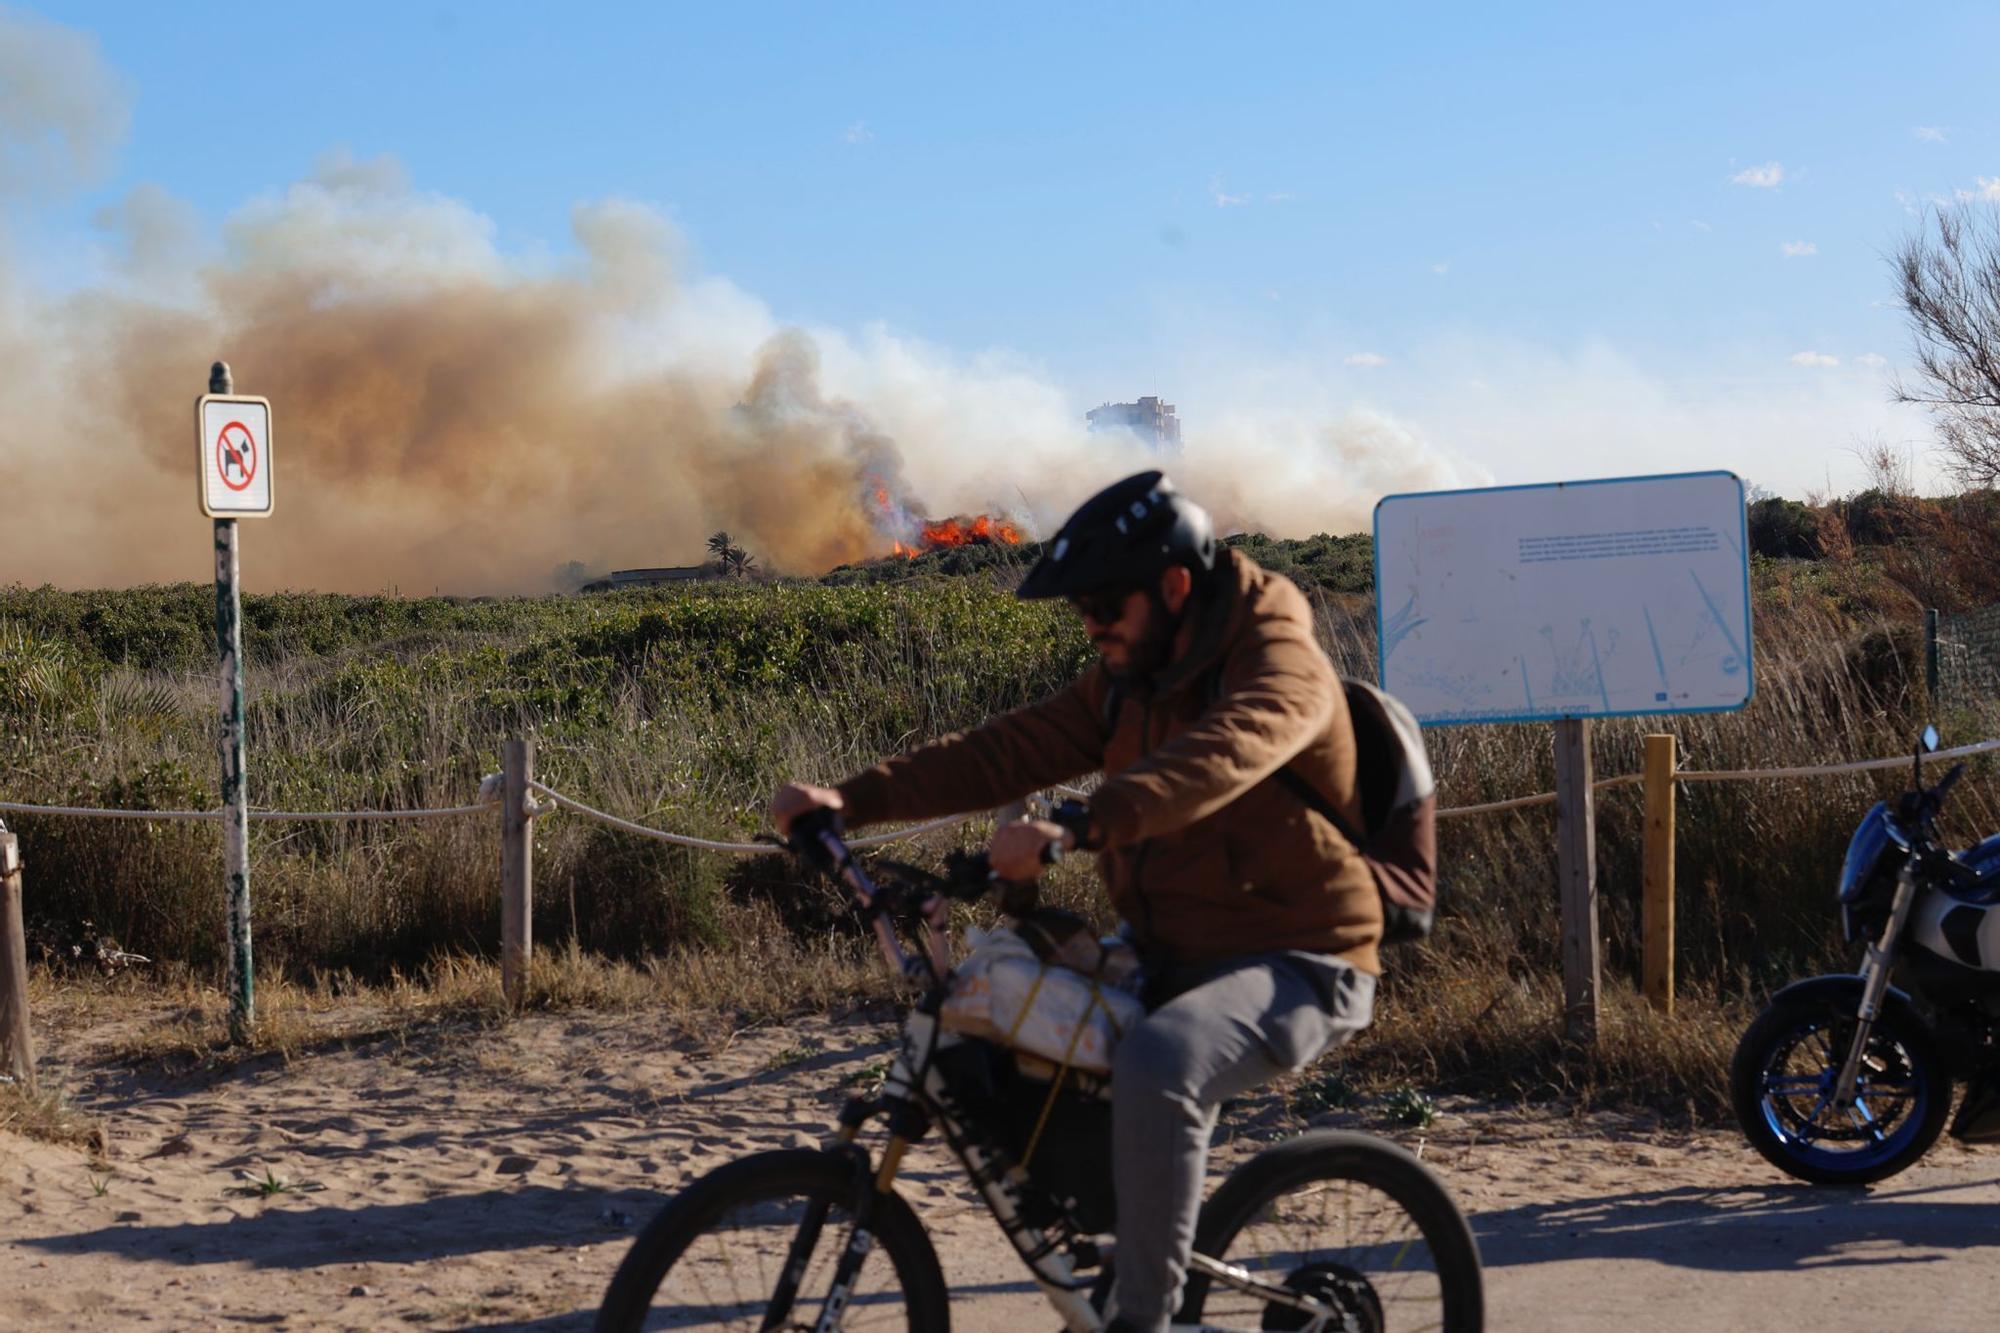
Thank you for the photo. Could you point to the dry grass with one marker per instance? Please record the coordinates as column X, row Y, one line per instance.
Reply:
column 693, row 732
column 44, row 1112
column 1500, row 1035
column 182, row 1021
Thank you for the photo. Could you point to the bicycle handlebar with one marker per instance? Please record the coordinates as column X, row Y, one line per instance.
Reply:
column 815, row 837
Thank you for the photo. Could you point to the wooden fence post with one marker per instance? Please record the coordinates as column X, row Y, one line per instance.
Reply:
column 1576, row 869
column 1656, row 915
column 517, row 861
column 17, row 1050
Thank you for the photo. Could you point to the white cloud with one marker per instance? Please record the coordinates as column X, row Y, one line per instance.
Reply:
column 1873, row 360
column 1735, row 406
column 1281, row 197
column 1985, row 188
column 1223, row 199
column 1814, row 359
column 1367, row 359
column 1441, row 268
column 1699, row 225
column 1766, row 177
column 1930, row 134
column 858, row 132
column 1795, row 249
column 64, row 110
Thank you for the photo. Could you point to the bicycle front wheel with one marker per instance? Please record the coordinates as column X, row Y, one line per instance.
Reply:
column 721, row 1254
column 1353, row 1220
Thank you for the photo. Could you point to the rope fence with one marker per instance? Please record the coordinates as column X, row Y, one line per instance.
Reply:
column 733, row 848
column 292, row 816
column 520, row 800
column 489, row 797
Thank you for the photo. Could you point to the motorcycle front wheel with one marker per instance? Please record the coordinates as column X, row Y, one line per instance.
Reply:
column 1787, row 1067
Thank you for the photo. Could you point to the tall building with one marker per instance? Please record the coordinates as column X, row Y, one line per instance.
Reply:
column 1150, row 419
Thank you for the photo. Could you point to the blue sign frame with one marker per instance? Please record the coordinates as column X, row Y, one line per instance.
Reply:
column 1530, row 713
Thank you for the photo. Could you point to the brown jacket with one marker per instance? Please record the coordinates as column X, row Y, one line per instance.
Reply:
column 1205, row 853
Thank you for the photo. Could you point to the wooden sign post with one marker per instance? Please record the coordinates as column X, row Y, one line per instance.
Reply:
column 1564, row 602
column 1576, row 870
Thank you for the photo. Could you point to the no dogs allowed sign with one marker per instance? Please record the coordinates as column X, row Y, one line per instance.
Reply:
column 235, row 438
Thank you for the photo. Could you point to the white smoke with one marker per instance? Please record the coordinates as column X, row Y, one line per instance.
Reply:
column 62, row 109
column 450, row 415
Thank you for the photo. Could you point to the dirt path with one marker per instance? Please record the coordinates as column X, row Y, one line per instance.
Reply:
column 476, row 1178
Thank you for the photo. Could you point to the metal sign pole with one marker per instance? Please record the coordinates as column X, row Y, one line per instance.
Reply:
column 235, row 795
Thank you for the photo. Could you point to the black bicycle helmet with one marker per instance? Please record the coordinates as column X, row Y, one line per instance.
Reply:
column 1125, row 536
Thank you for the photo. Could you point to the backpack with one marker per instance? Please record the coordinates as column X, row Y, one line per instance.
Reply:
column 1398, row 837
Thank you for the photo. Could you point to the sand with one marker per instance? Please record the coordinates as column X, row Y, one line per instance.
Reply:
column 469, row 1176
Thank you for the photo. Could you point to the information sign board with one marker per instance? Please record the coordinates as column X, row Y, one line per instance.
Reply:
column 1611, row 598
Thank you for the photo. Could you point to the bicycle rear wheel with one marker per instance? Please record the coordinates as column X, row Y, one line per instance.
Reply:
column 1352, row 1219
column 715, row 1257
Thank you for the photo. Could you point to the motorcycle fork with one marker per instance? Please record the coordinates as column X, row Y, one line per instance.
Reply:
column 1875, row 983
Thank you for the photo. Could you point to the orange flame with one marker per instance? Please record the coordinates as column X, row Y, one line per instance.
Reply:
column 937, row 534
column 966, row 532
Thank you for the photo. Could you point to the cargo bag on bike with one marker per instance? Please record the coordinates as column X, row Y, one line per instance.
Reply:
column 1056, row 1127
column 1003, row 992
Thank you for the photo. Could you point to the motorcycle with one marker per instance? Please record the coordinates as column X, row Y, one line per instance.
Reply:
column 1848, row 1079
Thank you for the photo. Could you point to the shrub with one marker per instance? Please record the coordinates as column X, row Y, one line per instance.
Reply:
column 1780, row 527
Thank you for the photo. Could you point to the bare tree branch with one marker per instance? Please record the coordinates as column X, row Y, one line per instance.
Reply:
column 1948, row 276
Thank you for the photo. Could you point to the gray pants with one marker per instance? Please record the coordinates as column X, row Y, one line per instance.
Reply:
column 1229, row 1028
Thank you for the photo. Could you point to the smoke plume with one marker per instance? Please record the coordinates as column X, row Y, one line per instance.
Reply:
column 449, row 415
column 63, row 110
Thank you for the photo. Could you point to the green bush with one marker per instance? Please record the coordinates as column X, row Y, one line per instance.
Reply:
column 685, row 707
column 1781, row 528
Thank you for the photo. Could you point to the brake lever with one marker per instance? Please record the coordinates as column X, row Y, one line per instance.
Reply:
column 805, row 840
column 968, row 875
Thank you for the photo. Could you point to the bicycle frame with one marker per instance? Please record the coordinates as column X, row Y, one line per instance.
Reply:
column 915, row 1095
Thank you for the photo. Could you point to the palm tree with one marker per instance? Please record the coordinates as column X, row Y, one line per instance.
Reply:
column 738, row 561
column 719, row 547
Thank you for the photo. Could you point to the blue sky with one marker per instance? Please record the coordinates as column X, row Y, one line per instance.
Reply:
column 1550, row 240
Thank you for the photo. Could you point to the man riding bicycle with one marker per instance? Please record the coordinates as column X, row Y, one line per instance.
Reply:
column 1256, row 919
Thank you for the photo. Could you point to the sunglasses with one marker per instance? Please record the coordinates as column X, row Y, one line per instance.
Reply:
column 1105, row 607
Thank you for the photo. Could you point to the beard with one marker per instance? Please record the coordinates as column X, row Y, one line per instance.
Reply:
column 1152, row 649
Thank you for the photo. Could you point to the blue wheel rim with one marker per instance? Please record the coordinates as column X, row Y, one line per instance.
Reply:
column 1795, row 1097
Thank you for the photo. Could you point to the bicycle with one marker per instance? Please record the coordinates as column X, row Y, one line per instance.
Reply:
column 742, row 1245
